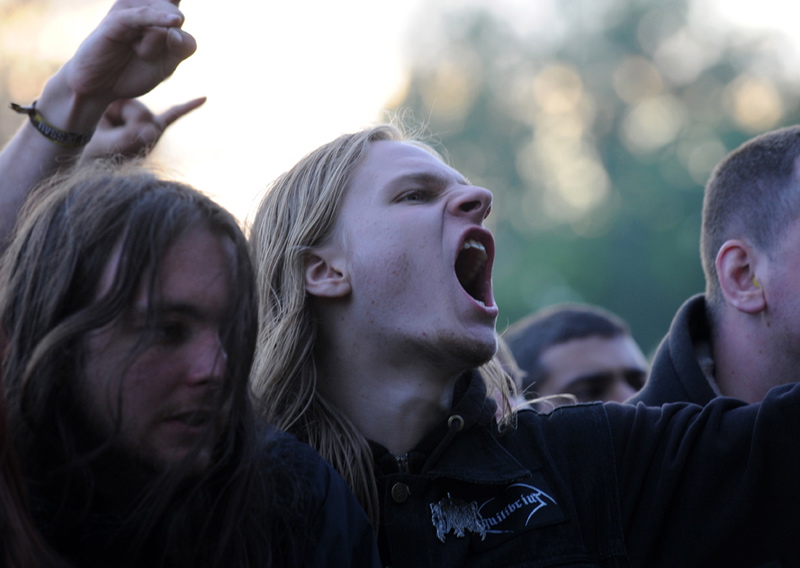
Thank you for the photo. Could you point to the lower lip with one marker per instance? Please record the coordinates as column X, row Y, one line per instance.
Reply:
column 488, row 310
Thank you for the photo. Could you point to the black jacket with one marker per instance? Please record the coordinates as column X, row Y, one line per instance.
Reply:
column 597, row 485
column 675, row 375
column 321, row 522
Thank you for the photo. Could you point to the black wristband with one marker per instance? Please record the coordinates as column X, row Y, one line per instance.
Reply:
column 66, row 139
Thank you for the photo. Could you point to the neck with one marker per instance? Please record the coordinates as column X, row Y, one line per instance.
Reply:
column 392, row 403
column 748, row 359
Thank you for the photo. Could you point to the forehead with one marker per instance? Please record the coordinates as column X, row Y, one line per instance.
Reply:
column 593, row 354
column 195, row 270
column 197, row 256
column 389, row 162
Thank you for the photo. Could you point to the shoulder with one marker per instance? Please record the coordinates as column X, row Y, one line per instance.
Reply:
column 556, row 433
column 341, row 534
column 285, row 451
column 571, row 417
column 296, row 470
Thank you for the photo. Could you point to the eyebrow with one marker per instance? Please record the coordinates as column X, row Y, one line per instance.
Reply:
column 428, row 178
column 167, row 308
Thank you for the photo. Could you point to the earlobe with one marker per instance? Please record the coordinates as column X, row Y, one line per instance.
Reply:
column 324, row 278
column 736, row 270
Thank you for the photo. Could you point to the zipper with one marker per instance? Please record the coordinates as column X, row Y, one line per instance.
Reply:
column 402, row 463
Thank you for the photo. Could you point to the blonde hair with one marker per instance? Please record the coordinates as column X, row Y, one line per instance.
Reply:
column 297, row 214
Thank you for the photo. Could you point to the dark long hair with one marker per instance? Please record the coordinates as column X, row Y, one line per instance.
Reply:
column 49, row 303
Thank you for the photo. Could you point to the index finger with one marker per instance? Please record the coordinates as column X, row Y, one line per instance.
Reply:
column 174, row 113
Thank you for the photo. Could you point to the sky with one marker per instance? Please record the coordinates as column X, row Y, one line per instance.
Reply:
column 283, row 78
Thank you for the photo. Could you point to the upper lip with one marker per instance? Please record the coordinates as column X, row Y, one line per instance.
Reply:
column 474, row 269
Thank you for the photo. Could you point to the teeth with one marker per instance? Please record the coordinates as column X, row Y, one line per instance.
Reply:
column 472, row 243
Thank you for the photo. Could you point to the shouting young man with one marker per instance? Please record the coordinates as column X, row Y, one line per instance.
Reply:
column 374, row 273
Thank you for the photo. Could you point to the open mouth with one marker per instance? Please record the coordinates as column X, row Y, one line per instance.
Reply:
column 473, row 269
column 195, row 419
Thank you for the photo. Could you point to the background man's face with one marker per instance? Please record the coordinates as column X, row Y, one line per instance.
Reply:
column 165, row 399
column 781, row 287
column 594, row 368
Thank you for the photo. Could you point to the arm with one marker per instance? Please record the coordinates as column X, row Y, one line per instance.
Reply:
column 136, row 46
column 714, row 484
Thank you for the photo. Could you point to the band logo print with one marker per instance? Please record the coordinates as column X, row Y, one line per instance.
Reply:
column 510, row 512
column 454, row 515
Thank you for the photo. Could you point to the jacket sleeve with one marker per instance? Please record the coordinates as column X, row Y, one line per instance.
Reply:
column 710, row 486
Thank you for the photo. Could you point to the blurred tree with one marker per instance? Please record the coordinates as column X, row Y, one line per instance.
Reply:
column 596, row 139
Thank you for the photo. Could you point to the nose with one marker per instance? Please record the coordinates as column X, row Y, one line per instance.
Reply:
column 208, row 359
column 473, row 201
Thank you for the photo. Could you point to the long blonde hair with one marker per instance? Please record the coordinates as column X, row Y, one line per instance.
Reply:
column 297, row 214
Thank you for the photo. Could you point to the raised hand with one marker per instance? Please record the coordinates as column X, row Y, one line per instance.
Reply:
column 128, row 128
column 136, row 46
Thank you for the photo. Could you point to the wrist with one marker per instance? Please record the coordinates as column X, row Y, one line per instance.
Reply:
column 63, row 138
column 68, row 110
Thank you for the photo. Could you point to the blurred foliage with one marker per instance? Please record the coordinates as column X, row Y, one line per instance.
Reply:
column 23, row 70
column 596, row 131
column 596, row 144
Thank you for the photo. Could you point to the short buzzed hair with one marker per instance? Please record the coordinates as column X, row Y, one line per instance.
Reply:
column 531, row 336
column 752, row 194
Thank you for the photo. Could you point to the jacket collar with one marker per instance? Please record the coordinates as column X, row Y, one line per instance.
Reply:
column 465, row 445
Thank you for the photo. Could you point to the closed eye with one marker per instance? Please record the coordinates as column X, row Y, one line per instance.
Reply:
column 168, row 325
column 592, row 387
column 171, row 332
column 635, row 378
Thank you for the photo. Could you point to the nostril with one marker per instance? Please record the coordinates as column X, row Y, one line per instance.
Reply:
column 470, row 206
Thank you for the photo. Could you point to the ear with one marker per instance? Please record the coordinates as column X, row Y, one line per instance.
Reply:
column 326, row 275
column 736, row 270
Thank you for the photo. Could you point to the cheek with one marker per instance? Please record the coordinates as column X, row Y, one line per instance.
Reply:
column 144, row 394
column 151, row 375
column 384, row 276
column 100, row 384
column 783, row 301
column 386, row 263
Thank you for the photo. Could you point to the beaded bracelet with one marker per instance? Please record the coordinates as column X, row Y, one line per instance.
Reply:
column 66, row 139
